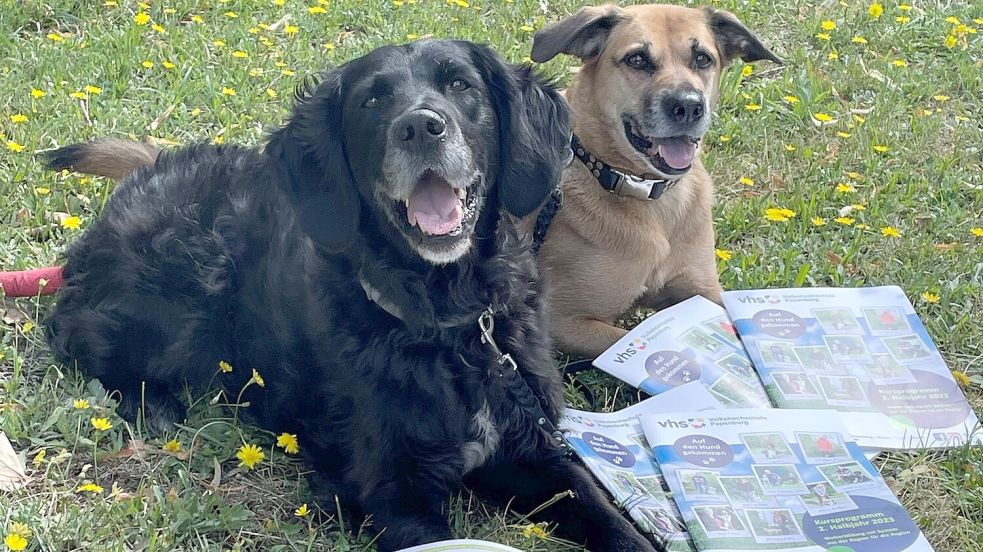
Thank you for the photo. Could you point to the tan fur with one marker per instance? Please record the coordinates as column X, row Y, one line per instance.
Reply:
column 605, row 254
column 110, row 157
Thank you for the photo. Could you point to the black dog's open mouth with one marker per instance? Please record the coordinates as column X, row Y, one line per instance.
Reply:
column 435, row 208
column 671, row 156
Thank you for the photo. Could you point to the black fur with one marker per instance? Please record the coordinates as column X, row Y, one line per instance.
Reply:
column 255, row 258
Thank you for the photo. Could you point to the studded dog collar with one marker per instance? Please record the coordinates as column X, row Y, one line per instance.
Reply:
column 618, row 182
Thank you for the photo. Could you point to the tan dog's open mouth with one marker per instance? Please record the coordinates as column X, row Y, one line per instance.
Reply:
column 671, row 156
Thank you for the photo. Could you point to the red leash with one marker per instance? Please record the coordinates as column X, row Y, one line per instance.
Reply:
column 27, row 283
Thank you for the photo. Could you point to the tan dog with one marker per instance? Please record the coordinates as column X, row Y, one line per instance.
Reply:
column 641, row 102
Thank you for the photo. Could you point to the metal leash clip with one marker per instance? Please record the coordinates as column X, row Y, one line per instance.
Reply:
column 486, row 322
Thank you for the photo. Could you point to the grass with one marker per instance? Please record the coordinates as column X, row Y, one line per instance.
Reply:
column 872, row 132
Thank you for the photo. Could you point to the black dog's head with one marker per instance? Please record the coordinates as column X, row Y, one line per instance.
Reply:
column 423, row 139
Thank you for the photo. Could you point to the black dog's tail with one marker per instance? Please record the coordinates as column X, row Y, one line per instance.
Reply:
column 109, row 157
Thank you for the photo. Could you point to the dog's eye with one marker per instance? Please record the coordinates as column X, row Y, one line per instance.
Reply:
column 637, row 60
column 371, row 102
column 703, row 60
column 459, row 85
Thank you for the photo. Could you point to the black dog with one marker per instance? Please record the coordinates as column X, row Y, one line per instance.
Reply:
column 349, row 263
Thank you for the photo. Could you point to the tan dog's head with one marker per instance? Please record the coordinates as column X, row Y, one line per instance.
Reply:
column 650, row 77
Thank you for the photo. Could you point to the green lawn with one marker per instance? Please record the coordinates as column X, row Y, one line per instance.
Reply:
column 869, row 139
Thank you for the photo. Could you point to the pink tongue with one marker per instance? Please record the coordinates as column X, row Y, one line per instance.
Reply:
column 435, row 207
column 677, row 153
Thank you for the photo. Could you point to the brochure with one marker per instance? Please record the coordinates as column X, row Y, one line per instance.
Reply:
column 691, row 341
column 461, row 545
column 768, row 479
column 613, row 447
column 857, row 350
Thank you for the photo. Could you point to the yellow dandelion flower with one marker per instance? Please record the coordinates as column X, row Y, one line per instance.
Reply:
column 841, row 134
column 79, row 95
column 791, row 99
column 875, row 10
column 102, row 424
column 158, row 28
column 846, row 221
column 168, row 65
column 534, row 531
column 35, row 93
column 904, row 7
column 778, row 214
column 822, row 117
column 226, row 91
column 39, row 458
column 329, row 46
column 828, row 25
column 148, row 64
column 879, row 148
column 818, row 221
column 746, row 181
column 961, row 378
column 747, row 70
column 291, row 30
column 71, row 223
column 18, row 118
column 854, row 175
column 899, row 63
column 271, row 93
column 941, row 98
column 752, row 107
column 861, row 227
column 197, row 19
column 224, row 366
column 288, row 72
column 302, row 511
column 256, row 72
column 278, row 2
column 250, row 455
column 902, row 19
column 80, row 404
column 930, row 297
column 231, row 15
column 288, row 442
column 141, row 18
column 240, row 54
column 258, row 379
column 15, row 542
column 824, row 36
column 950, row 42
column 172, row 446
column 858, row 40
column 55, row 37
column 526, row 28
column 21, row 529
column 953, row 20
column 89, row 488
column 315, row 10
column 723, row 254
column 27, row 327
column 42, row 190
column 976, row 231
column 94, row 90
column 858, row 207
column 789, row 147
column 845, row 188
column 833, row 56
column 14, row 146
column 890, row 232
column 725, row 138
column 219, row 43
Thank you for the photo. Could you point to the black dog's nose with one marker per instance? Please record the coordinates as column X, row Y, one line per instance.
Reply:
column 422, row 125
column 684, row 107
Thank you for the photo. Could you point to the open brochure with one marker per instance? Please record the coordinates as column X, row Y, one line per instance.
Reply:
column 613, row 447
column 768, row 479
column 461, row 545
column 857, row 350
column 691, row 341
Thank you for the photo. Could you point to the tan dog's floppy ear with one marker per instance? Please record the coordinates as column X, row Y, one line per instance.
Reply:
column 583, row 34
column 735, row 40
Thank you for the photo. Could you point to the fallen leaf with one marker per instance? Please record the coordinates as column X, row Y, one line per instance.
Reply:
column 12, row 315
column 12, row 470
column 217, row 478
column 945, row 246
column 134, row 448
column 834, row 258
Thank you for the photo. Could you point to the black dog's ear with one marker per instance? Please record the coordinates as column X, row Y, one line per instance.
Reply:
column 583, row 34
column 734, row 40
column 311, row 154
column 534, row 132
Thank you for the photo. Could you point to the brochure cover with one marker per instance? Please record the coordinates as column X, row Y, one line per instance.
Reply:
column 461, row 545
column 691, row 341
column 858, row 350
column 770, row 479
column 613, row 447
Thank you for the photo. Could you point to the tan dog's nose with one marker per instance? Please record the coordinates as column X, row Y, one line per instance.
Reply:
column 684, row 108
